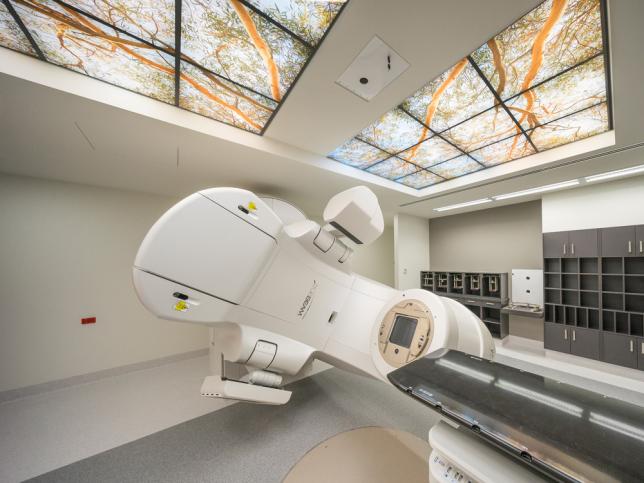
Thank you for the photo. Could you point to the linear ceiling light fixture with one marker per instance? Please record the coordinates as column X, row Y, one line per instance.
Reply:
column 538, row 189
column 464, row 205
column 615, row 174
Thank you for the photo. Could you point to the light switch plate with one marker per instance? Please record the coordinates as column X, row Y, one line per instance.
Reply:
column 378, row 64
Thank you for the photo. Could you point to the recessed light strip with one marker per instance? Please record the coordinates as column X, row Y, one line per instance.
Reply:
column 615, row 174
column 463, row 205
column 549, row 187
column 538, row 189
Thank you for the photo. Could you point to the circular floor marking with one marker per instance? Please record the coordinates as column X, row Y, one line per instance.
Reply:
column 372, row 454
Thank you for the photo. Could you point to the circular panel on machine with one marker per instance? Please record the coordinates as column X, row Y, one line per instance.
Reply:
column 405, row 332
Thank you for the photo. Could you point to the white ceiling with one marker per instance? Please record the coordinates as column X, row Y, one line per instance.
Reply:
column 53, row 134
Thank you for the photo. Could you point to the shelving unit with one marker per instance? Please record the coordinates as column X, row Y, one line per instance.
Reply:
column 482, row 293
column 594, row 301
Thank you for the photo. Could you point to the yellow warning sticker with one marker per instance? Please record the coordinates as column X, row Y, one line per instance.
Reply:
column 181, row 306
column 252, row 206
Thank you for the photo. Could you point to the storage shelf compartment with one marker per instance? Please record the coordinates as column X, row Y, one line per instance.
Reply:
column 475, row 309
column 427, row 280
column 613, row 301
column 621, row 322
column 455, row 283
column 593, row 319
column 589, row 282
column 608, row 321
column 553, row 280
column 570, row 297
column 491, row 286
column 553, row 296
column 570, row 314
column 635, row 284
column 612, row 283
column 634, row 265
column 473, row 284
column 442, row 282
column 490, row 314
column 549, row 312
column 637, row 324
column 495, row 329
column 612, row 265
column 634, row 303
column 570, row 265
column 582, row 317
column 559, row 314
column 552, row 265
column 588, row 265
column 589, row 299
column 570, row 281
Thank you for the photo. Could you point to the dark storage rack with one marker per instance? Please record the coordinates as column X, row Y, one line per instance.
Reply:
column 594, row 294
column 485, row 294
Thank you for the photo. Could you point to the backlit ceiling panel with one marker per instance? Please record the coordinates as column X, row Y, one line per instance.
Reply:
column 230, row 60
column 539, row 84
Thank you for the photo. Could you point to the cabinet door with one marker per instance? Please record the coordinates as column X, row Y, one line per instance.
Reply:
column 619, row 349
column 583, row 243
column 640, row 353
column 585, row 343
column 556, row 337
column 555, row 244
column 618, row 241
column 639, row 240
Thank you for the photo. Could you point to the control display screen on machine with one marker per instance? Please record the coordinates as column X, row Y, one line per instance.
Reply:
column 403, row 331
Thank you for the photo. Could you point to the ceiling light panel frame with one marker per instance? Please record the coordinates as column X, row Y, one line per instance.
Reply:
column 152, row 33
column 549, row 29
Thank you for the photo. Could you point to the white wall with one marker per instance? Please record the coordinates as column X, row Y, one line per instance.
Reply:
column 614, row 203
column 376, row 261
column 66, row 252
column 411, row 246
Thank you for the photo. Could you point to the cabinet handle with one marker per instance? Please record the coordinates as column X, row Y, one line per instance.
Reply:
column 631, row 344
column 572, row 248
column 630, row 246
column 565, row 334
column 564, row 248
column 642, row 347
column 641, row 250
column 574, row 338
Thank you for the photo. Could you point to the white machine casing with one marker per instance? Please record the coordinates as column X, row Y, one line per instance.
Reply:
column 279, row 291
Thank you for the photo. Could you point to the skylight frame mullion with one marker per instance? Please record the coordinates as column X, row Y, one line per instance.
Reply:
column 603, row 14
column 25, row 30
column 285, row 29
column 178, row 7
column 500, row 101
column 422, row 169
column 462, row 151
column 391, row 155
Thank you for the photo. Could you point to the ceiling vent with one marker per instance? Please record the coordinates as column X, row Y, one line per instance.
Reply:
column 372, row 70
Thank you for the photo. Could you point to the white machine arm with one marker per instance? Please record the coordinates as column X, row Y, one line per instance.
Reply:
column 282, row 293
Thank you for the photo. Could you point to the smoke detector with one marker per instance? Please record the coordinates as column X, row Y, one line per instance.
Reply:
column 375, row 67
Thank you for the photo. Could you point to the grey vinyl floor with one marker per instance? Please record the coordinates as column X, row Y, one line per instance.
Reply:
column 254, row 443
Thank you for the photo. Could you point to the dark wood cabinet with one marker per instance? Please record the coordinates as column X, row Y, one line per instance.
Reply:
column 585, row 343
column 620, row 349
column 583, row 243
column 555, row 244
column 618, row 241
column 594, row 294
column 556, row 337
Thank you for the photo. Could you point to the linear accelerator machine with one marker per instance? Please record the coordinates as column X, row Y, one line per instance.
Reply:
column 279, row 292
